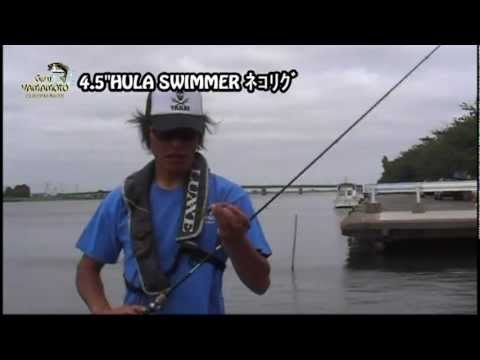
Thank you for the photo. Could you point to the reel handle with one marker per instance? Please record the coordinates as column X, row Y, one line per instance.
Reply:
column 157, row 303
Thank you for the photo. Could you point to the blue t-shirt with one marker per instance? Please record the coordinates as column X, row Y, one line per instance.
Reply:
column 107, row 234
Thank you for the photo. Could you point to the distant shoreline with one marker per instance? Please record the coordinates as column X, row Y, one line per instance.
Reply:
column 101, row 196
column 46, row 199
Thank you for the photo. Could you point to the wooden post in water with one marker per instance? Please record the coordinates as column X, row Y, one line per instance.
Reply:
column 294, row 241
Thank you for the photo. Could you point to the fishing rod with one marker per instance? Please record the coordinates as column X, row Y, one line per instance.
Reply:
column 162, row 297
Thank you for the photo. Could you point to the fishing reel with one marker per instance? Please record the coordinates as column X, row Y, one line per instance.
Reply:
column 160, row 300
column 158, row 303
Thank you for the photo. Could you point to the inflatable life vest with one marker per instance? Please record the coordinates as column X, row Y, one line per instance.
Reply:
column 136, row 193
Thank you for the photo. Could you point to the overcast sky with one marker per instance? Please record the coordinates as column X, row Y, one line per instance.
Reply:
column 83, row 139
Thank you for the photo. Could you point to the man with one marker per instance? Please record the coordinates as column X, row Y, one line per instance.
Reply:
column 167, row 216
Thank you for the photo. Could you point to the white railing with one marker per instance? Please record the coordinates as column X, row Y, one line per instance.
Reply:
column 420, row 187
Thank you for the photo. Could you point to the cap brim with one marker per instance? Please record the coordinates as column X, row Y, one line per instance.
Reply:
column 175, row 121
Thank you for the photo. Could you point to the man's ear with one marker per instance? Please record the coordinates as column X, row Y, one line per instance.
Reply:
column 150, row 132
column 199, row 142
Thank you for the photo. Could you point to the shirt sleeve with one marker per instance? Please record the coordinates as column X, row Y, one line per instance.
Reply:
column 255, row 233
column 99, row 238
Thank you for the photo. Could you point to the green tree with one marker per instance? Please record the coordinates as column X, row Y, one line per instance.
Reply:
column 450, row 152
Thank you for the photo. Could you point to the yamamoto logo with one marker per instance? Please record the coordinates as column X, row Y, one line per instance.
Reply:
column 179, row 102
column 52, row 85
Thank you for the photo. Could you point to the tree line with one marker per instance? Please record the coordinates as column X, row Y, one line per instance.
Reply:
column 19, row 191
column 449, row 153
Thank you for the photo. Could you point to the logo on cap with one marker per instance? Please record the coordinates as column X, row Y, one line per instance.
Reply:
column 179, row 103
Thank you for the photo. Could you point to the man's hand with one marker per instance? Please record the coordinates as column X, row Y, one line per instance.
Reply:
column 252, row 268
column 122, row 310
column 233, row 224
column 90, row 288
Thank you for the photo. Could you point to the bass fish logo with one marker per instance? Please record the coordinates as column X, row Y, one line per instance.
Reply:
column 59, row 70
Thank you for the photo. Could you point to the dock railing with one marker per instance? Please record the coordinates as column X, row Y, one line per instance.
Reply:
column 419, row 188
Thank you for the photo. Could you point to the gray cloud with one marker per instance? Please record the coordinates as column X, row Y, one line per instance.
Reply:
column 84, row 139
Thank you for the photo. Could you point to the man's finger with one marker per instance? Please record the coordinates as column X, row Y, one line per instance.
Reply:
column 233, row 220
column 235, row 223
column 218, row 205
column 230, row 219
column 242, row 218
column 236, row 217
column 139, row 309
column 220, row 215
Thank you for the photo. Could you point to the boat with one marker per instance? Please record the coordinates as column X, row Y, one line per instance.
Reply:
column 349, row 195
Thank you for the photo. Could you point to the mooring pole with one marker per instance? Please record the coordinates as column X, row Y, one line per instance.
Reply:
column 294, row 241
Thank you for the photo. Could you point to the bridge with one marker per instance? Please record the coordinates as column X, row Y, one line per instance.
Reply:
column 263, row 189
column 268, row 188
column 100, row 194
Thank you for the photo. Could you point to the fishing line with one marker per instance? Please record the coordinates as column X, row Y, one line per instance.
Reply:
column 163, row 296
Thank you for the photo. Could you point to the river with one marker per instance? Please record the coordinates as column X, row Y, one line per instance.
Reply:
column 39, row 262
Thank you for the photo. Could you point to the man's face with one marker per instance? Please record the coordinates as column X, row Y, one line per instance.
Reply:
column 174, row 148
